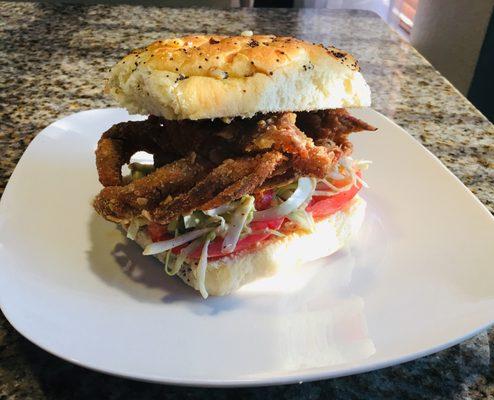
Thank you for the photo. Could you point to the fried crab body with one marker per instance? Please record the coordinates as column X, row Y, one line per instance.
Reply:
column 200, row 165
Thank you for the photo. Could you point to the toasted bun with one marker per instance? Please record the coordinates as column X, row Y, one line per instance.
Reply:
column 196, row 77
column 230, row 273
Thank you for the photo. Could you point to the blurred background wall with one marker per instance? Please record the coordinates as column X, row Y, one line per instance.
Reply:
column 450, row 35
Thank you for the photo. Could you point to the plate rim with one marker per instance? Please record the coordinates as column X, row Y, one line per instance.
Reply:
column 280, row 379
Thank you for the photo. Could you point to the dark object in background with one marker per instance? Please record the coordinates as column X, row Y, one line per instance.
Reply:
column 482, row 86
column 274, row 3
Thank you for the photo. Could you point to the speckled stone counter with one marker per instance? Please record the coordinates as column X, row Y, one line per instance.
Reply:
column 53, row 61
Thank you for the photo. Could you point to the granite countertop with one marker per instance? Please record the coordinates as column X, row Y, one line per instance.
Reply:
column 53, row 62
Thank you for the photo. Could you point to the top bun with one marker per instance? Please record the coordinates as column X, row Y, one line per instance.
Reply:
column 212, row 76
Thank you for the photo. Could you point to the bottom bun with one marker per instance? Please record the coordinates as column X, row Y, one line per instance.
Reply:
column 227, row 274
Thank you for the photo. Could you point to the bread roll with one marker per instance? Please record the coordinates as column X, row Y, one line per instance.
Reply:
column 211, row 76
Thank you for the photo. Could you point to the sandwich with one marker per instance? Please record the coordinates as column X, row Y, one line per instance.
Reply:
column 252, row 171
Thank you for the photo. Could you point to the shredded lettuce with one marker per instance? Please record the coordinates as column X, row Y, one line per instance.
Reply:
column 220, row 210
column 160, row 247
column 221, row 225
column 347, row 167
column 183, row 255
column 237, row 224
column 202, row 266
column 303, row 192
column 267, row 230
column 168, row 254
column 138, row 170
column 274, row 232
column 196, row 219
column 134, row 226
column 303, row 219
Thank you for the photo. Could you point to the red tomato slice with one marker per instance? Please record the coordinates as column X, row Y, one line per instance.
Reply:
column 274, row 224
column 263, row 199
column 158, row 232
column 321, row 206
column 214, row 249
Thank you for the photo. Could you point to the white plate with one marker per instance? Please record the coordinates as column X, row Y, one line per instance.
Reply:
column 419, row 278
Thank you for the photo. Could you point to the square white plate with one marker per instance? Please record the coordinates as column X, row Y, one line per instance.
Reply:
column 418, row 279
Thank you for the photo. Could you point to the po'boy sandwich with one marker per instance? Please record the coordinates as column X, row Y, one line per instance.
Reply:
column 252, row 169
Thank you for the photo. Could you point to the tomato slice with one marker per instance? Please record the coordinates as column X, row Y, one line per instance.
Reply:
column 158, row 232
column 214, row 249
column 263, row 199
column 321, row 206
column 274, row 224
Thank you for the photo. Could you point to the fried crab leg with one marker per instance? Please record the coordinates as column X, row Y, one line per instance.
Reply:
column 121, row 203
column 280, row 132
column 227, row 182
column 123, row 140
column 332, row 125
column 250, row 155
